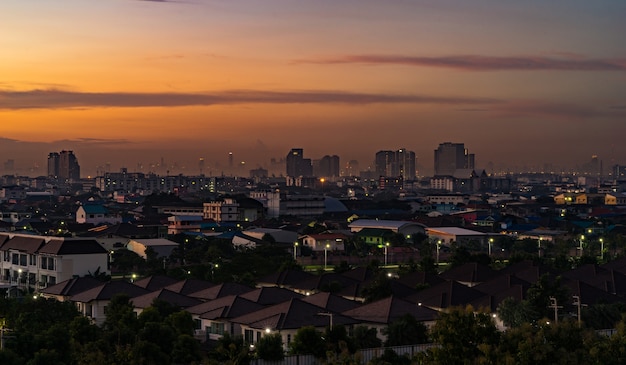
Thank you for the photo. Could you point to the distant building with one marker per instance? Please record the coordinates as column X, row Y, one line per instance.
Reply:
column 327, row 166
column 297, row 165
column 399, row 163
column 226, row 210
column 63, row 165
column 450, row 157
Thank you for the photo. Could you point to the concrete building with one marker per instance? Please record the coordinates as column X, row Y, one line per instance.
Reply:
column 399, row 163
column 450, row 157
column 63, row 165
column 297, row 165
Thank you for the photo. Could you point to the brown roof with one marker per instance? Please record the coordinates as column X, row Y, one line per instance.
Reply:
column 293, row 314
column 331, row 302
column 269, row 295
column 446, row 295
column 189, row 286
column 155, row 282
column 221, row 290
column 225, row 307
column 387, row 310
column 72, row 247
column 72, row 286
column 25, row 244
column 176, row 299
column 106, row 291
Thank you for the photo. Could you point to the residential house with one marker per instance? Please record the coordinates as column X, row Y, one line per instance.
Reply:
column 39, row 261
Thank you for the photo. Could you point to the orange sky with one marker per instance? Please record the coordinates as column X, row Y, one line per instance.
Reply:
column 127, row 81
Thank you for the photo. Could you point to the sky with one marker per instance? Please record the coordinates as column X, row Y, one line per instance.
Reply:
column 130, row 83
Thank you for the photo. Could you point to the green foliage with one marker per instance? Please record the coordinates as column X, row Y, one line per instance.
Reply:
column 379, row 288
column 462, row 336
column 539, row 294
column 308, row 341
column 514, row 313
column 389, row 357
column 405, row 330
column 270, row 347
column 365, row 337
column 232, row 350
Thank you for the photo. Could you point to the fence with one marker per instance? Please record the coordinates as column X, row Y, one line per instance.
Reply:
column 364, row 355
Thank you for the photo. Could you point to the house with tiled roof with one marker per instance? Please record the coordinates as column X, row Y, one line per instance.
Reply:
column 270, row 295
column 381, row 313
column 31, row 261
column 286, row 318
column 214, row 318
column 66, row 289
column 92, row 303
column 95, row 214
column 176, row 299
column 221, row 290
column 322, row 241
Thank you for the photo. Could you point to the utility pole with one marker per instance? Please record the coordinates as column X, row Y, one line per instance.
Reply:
column 578, row 305
column 555, row 306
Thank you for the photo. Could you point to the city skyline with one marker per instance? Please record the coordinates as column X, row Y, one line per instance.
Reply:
column 125, row 82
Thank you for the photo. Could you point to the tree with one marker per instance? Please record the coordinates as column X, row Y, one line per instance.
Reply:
column 365, row 337
column 270, row 347
column 232, row 350
column 405, row 330
column 120, row 325
column 186, row 350
column 514, row 313
column 379, row 288
column 463, row 336
column 308, row 341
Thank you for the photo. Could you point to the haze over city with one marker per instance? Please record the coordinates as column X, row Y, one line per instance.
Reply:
column 128, row 82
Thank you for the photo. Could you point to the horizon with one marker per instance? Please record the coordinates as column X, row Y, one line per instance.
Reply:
column 530, row 85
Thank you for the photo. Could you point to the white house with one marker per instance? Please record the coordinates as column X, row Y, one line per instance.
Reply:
column 38, row 261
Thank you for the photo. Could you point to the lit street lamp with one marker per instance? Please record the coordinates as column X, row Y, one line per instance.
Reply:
column 438, row 248
column 386, row 246
column 326, row 255
column 490, row 244
column 601, row 249
column 580, row 244
column 295, row 251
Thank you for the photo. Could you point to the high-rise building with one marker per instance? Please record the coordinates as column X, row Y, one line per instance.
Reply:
column 327, row 166
column 450, row 157
column 297, row 165
column 53, row 164
column 63, row 165
column 399, row 163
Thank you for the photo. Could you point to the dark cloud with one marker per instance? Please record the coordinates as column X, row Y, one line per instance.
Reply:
column 482, row 63
column 60, row 99
column 560, row 111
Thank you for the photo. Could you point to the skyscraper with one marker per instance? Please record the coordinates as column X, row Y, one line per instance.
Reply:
column 450, row 157
column 399, row 163
column 297, row 165
column 327, row 166
column 63, row 165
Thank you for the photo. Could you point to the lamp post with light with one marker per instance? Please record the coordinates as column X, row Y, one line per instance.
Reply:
column 326, row 255
column 295, row 251
column 580, row 244
column 490, row 244
column 601, row 249
column 386, row 248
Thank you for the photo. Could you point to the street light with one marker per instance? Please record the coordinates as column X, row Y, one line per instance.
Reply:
column 386, row 245
column 326, row 255
column 438, row 248
column 580, row 244
column 601, row 249
column 490, row 244
column 295, row 251
column 539, row 247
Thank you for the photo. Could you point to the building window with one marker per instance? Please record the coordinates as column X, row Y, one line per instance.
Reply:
column 23, row 259
column 33, row 260
column 15, row 258
column 7, row 256
column 249, row 336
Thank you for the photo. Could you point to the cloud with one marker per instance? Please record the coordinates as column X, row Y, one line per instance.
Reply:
column 481, row 63
column 61, row 99
column 561, row 111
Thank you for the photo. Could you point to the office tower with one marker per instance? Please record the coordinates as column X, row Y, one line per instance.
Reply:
column 405, row 164
column 399, row 163
column 53, row 164
column 352, row 168
column 297, row 165
column 450, row 157
column 63, row 165
column 327, row 166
